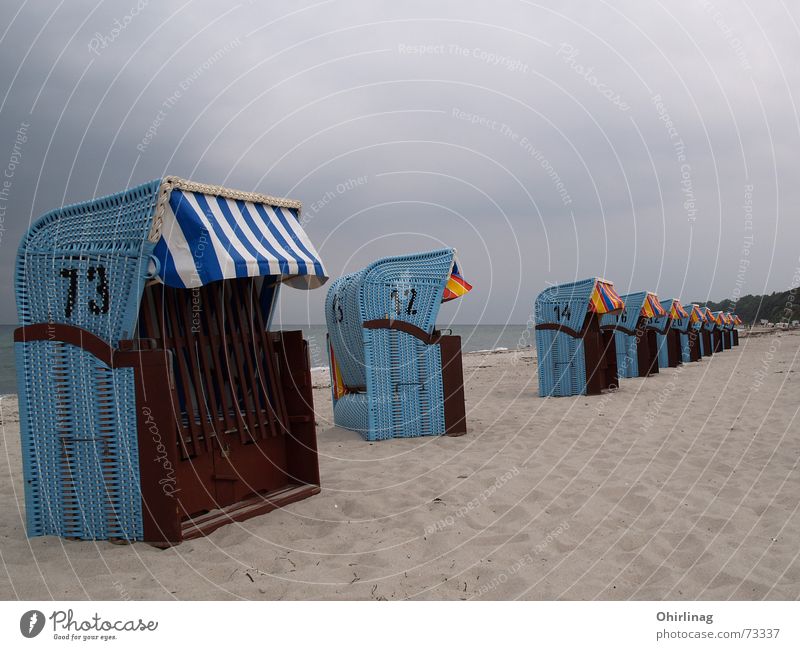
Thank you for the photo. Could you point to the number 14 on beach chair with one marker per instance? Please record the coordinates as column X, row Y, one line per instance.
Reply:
column 574, row 356
column 155, row 404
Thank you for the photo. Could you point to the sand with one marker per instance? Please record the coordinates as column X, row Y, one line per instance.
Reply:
column 679, row 486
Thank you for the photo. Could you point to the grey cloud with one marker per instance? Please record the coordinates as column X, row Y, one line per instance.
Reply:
column 299, row 98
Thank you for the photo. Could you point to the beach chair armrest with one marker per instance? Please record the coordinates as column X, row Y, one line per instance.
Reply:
column 403, row 326
column 85, row 340
column 76, row 336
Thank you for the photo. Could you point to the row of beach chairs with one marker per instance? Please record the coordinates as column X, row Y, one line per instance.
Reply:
column 588, row 336
column 156, row 403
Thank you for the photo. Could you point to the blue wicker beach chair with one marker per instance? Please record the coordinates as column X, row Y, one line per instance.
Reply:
column 573, row 356
column 727, row 330
column 691, row 336
column 392, row 374
column 155, row 405
column 669, row 329
column 712, row 342
column 718, row 320
column 697, row 323
column 637, row 346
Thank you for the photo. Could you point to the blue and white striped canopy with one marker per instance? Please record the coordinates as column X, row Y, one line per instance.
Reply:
column 208, row 237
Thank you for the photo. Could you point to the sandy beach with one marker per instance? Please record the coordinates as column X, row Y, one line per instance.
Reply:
column 680, row 486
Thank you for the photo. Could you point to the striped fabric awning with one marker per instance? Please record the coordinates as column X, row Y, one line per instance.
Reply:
column 456, row 285
column 697, row 315
column 605, row 299
column 709, row 315
column 677, row 311
column 652, row 307
column 213, row 236
column 737, row 320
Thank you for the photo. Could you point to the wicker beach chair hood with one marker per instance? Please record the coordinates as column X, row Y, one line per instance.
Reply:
column 144, row 334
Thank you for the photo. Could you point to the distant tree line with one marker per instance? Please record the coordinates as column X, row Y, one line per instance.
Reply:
column 776, row 307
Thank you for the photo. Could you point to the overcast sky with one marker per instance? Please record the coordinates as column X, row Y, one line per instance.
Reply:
column 650, row 143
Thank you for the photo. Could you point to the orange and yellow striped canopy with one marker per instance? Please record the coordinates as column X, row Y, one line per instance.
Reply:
column 737, row 320
column 677, row 311
column 652, row 308
column 709, row 315
column 605, row 299
column 697, row 315
column 456, row 285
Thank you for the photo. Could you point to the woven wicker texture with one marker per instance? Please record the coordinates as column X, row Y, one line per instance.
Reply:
column 697, row 325
column 628, row 317
column 80, row 455
column 660, row 322
column 394, row 378
column 627, row 356
column 562, row 366
column 686, row 356
column 680, row 324
column 86, row 265
column 565, row 304
column 561, row 359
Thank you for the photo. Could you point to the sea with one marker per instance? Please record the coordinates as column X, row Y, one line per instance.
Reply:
column 474, row 338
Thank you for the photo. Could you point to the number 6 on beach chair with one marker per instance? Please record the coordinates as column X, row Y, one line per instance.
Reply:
column 392, row 374
column 155, row 405
column 574, row 357
column 637, row 346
